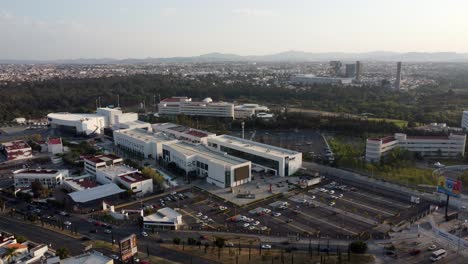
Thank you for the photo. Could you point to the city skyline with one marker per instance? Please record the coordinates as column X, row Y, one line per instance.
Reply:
column 50, row 30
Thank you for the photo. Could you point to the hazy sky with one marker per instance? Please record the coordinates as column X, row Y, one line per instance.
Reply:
column 59, row 29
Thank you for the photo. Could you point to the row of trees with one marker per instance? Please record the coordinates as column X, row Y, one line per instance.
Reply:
column 32, row 99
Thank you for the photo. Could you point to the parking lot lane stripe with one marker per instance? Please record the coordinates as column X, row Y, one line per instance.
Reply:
column 328, row 223
column 293, row 225
column 368, row 207
column 374, row 197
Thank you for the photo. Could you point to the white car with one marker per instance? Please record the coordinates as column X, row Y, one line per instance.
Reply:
column 334, row 197
column 312, row 197
column 332, row 203
column 251, row 227
column 199, row 214
column 222, row 208
column 246, row 225
column 332, row 192
column 263, row 228
column 67, row 223
column 432, row 248
column 229, row 244
column 144, row 234
column 256, row 223
column 340, row 195
column 204, row 217
column 266, row 211
column 243, row 218
column 266, row 246
column 107, row 231
column 303, row 201
column 276, row 214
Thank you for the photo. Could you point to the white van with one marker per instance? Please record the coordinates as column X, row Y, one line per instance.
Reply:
column 438, row 255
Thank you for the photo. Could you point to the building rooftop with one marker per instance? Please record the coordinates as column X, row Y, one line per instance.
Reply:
column 255, row 146
column 88, row 258
column 117, row 170
column 54, row 141
column 182, row 130
column 102, row 158
column 73, row 117
column 384, row 139
column 14, row 145
column 163, row 214
column 95, row 193
column 144, row 135
column 175, row 99
column 36, row 171
column 218, row 157
column 133, row 177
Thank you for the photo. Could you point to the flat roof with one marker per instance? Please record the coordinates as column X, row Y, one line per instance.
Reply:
column 87, row 258
column 134, row 177
column 95, row 193
column 55, row 141
column 72, row 116
column 117, row 170
column 144, row 135
column 102, row 158
column 182, row 129
column 36, row 171
column 163, row 214
column 14, row 145
column 256, row 146
column 189, row 150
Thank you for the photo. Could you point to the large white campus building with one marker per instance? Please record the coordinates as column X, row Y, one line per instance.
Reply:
column 464, row 122
column 185, row 105
column 88, row 124
column 224, row 161
column 450, row 146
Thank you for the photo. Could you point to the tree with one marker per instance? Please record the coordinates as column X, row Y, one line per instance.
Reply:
column 219, row 242
column 158, row 179
column 62, row 253
column 176, row 240
column 38, row 189
column 358, row 247
column 21, row 239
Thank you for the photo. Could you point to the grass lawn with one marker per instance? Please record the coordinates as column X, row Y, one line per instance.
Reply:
column 232, row 255
column 407, row 175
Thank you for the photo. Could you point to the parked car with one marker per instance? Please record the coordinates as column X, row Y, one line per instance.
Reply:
column 266, row 246
column 144, row 234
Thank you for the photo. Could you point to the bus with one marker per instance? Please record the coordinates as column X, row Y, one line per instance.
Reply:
column 438, row 254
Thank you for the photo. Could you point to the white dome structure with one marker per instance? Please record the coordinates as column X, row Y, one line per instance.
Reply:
column 207, row 100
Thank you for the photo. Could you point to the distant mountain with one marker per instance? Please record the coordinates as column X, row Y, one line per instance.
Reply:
column 291, row 56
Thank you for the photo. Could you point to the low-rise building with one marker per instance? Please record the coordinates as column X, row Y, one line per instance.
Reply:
column 16, row 150
column 279, row 161
column 23, row 178
column 205, row 107
column 93, row 197
column 126, row 176
column 164, row 218
column 450, row 146
column 249, row 110
column 141, row 142
column 183, row 133
column 92, row 257
column 79, row 183
column 92, row 163
column 54, row 145
column 217, row 167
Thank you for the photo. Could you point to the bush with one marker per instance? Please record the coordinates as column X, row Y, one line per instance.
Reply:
column 176, row 240
column 191, row 241
column 358, row 247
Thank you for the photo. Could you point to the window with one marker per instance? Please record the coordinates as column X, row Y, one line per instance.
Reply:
column 273, row 164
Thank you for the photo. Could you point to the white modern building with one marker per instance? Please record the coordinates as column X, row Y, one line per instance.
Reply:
column 104, row 117
column 217, row 167
column 16, row 150
column 249, row 110
column 80, row 183
column 92, row 163
column 140, row 141
column 464, row 121
column 280, row 161
column 55, row 145
column 450, row 146
column 86, row 124
column 164, row 218
column 206, row 107
column 23, row 178
column 127, row 177
column 183, row 133
column 312, row 79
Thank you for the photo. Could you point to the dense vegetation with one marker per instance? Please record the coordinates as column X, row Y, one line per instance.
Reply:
column 34, row 99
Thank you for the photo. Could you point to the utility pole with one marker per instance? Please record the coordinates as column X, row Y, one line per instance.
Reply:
column 243, row 127
column 118, row 100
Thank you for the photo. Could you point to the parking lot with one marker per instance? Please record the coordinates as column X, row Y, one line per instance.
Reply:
column 329, row 210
